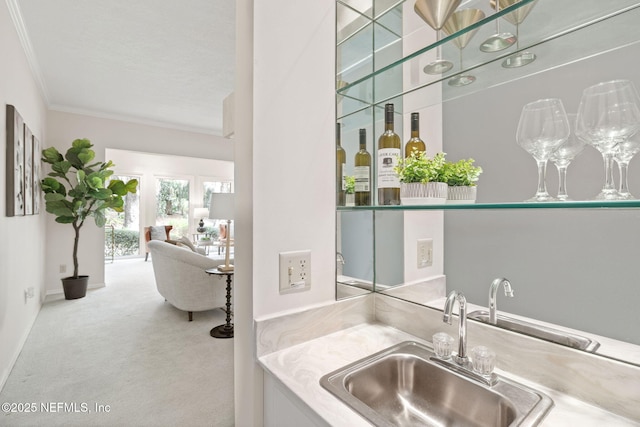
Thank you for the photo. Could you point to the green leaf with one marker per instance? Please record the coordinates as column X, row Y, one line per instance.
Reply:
column 59, row 208
column 51, row 155
column 117, row 187
column 81, row 143
column 102, row 194
column 65, row 219
column 86, row 156
column 50, row 185
column 132, row 186
column 99, row 218
column 53, row 197
column 61, row 167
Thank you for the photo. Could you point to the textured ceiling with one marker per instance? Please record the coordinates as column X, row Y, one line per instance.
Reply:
column 166, row 62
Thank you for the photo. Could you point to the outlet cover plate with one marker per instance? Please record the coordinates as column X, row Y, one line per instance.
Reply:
column 295, row 271
column 425, row 253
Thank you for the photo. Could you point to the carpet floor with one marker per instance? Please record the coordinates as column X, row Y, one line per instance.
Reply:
column 122, row 356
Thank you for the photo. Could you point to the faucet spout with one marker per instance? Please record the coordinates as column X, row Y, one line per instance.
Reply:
column 493, row 297
column 461, row 358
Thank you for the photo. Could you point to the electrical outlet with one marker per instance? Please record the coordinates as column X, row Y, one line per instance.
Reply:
column 425, row 253
column 295, row 271
column 63, row 268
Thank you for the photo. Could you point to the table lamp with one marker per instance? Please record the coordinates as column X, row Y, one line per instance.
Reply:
column 201, row 213
column 222, row 208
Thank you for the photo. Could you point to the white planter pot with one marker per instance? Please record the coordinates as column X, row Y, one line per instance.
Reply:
column 417, row 193
column 350, row 200
column 461, row 194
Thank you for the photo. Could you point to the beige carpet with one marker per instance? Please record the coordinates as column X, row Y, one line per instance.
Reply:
column 122, row 356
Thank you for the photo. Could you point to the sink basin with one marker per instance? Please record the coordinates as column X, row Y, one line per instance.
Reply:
column 543, row 332
column 403, row 386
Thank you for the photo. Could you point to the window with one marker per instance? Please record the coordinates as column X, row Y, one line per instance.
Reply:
column 172, row 204
column 122, row 229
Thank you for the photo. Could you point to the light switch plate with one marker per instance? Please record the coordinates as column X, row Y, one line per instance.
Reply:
column 295, row 271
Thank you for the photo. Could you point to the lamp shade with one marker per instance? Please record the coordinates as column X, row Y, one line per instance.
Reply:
column 199, row 213
column 221, row 206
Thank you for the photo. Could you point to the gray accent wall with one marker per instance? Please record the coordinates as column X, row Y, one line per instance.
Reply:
column 576, row 268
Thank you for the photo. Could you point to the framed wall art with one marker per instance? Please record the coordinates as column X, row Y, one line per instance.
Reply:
column 15, row 196
column 28, row 171
column 36, row 175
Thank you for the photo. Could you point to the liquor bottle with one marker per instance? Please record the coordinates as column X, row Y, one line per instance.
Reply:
column 362, row 172
column 389, row 152
column 414, row 143
column 341, row 159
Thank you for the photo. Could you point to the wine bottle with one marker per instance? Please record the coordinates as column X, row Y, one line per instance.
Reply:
column 341, row 159
column 389, row 152
column 414, row 143
column 362, row 172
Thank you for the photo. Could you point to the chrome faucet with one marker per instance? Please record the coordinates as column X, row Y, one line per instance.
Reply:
column 461, row 358
column 339, row 258
column 493, row 290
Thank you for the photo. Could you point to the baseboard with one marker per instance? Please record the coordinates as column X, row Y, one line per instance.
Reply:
column 7, row 371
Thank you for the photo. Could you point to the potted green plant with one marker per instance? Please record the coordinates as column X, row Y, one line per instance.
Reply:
column 462, row 177
column 350, row 190
column 76, row 189
column 422, row 179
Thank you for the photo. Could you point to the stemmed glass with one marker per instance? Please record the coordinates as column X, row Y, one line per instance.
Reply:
column 542, row 128
column 563, row 156
column 435, row 13
column 609, row 114
column 626, row 150
column 460, row 20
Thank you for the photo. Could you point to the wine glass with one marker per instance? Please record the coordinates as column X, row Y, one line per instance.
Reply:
column 626, row 150
column 542, row 128
column 609, row 114
column 563, row 156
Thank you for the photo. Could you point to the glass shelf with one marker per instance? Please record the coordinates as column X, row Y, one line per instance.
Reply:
column 373, row 59
column 579, row 204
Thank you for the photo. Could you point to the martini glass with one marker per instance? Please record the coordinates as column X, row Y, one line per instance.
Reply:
column 626, row 150
column 543, row 127
column 608, row 115
column 435, row 13
column 500, row 40
column 460, row 20
column 563, row 156
column 518, row 59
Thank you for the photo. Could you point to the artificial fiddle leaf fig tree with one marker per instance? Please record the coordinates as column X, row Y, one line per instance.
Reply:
column 77, row 188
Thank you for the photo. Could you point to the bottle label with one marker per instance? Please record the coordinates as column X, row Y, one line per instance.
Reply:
column 344, row 179
column 387, row 160
column 361, row 174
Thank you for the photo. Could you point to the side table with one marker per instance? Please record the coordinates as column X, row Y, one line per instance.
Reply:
column 226, row 330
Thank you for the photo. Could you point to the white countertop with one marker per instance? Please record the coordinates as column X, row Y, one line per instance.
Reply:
column 301, row 366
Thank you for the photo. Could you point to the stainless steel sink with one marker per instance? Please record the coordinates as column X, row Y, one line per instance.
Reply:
column 548, row 334
column 403, row 386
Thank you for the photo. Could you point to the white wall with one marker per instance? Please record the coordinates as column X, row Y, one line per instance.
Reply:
column 293, row 148
column 22, row 251
column 62, row 129
column 284, row 163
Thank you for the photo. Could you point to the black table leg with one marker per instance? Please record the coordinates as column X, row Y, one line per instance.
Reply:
column 226, row 330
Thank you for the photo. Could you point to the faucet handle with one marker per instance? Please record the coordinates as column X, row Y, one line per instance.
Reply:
column 442, row 344
column 483, row 360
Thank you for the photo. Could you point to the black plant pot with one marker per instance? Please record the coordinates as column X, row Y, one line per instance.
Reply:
column 75, row 288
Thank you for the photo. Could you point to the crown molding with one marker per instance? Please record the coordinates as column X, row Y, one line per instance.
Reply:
column 18, row 22
column 136, row 120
